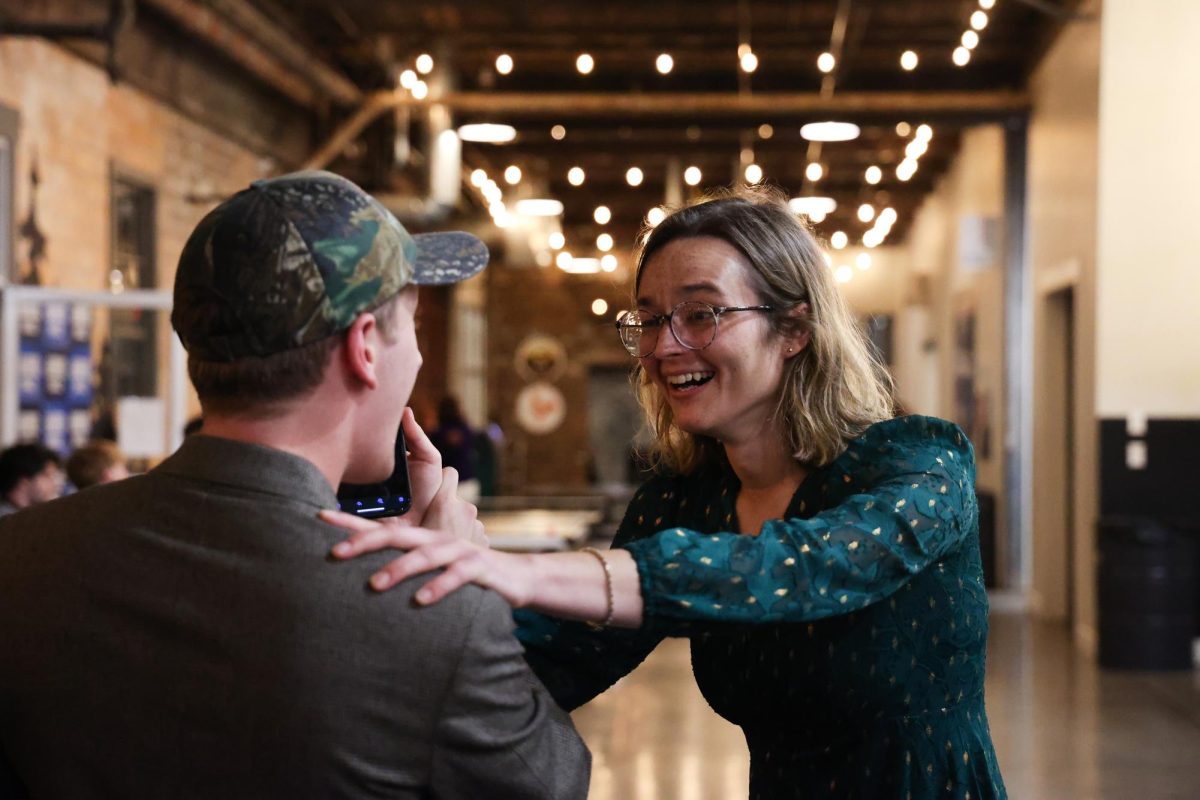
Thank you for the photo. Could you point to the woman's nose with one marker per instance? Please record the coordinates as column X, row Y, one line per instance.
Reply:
column 667, row 342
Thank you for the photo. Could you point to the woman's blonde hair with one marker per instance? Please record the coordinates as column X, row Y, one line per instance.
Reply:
column 834, row 389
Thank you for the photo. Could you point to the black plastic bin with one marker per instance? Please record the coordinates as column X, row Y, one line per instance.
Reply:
column 1147, row 594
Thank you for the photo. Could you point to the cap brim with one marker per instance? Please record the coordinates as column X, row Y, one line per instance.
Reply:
column 447, row 257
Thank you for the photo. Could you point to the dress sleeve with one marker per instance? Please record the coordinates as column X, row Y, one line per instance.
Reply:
column 918, row 505
column 575, row 661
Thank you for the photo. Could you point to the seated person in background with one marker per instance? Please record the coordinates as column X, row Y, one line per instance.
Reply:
column 181, row 633
column 29, row 474
column 455, row 440
column 98, row 461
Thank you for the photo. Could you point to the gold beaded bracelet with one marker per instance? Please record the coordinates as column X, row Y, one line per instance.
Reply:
column 608, row 586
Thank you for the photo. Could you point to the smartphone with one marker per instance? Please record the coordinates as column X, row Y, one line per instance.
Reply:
column 391, row 498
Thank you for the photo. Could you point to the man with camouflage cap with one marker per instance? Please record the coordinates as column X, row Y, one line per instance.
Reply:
column 182, row 633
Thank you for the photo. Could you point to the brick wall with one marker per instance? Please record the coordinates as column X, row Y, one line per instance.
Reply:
column 522, row 302
column 80, row 127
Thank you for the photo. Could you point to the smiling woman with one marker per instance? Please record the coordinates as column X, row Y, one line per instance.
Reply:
column 788, row 493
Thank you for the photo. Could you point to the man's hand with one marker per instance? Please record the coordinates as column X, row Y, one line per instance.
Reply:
column 425, row 473
column 451, row 514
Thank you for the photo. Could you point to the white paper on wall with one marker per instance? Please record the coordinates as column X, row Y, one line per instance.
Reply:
column 141, row 427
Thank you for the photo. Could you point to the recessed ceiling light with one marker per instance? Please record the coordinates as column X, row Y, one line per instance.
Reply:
column 830, row 131
column 812, row 205
column 487, row 132
column 539, row 207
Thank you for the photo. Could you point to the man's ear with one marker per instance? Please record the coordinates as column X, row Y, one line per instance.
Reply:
column 800, row 333
column 360, row 350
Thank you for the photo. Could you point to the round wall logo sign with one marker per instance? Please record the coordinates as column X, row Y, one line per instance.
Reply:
column 540, row 408
column 540, row 358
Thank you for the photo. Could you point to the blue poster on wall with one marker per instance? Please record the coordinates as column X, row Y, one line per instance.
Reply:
column 54, row 374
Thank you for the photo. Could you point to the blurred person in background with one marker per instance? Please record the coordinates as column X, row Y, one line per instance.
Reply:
column 97, row 462
column 455, row 440
column 29, row 474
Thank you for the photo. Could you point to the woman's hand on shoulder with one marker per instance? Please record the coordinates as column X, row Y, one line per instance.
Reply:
column 464, row 561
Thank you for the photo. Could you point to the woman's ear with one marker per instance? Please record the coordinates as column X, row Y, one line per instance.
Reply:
column 360, row 350
column 799, row 332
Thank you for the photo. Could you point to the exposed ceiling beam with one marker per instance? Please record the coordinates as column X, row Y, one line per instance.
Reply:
column 668, row 104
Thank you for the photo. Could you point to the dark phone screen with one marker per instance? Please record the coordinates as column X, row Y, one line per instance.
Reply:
column 391, row 498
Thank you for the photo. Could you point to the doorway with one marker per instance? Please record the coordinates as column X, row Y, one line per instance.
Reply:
column 1057, row 447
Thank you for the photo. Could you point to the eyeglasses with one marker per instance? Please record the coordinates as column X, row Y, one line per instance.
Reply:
column 693, row 324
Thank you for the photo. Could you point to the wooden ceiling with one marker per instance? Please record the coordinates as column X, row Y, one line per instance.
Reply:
column 706, row 112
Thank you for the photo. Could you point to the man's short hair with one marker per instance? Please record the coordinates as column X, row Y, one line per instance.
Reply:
column 23, row 461
column 86, row 465
column 269, row 278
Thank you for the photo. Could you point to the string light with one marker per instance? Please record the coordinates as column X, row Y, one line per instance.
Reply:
column 602, row 215
column 908, row 60
column 408, row 78
column 906, row 169
column 970, row 40
column 866, row 212
column 556, row 240
column 924, row 132
column 585, row 64
column 424, row 63
column 839, row 240
column 512, row 175
column 826, row 62
column 873, row 175
column 576, row 176
column 664, row 63
column 420, row 90
column 765, row 131
column 754, row 173
column 634, row 176
column 863, row 261
column 558, row 133
column 979, row 20
column 655, row 216
column 986, row 5
column 749, row 62
column 608, row 262
column 504, row 63
column 692, row 176
column 843, row 273
column 604, row 242
column 600, row 306
column 903, row 129
column 478, row 178
column 961, row 57
column 814, row 172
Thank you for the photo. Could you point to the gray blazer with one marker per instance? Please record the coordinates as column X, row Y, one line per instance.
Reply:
column 183, row 634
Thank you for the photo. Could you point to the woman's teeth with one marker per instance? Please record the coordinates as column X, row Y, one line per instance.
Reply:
column 689, row 379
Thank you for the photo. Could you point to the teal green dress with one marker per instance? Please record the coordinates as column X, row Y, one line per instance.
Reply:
column 846, row 639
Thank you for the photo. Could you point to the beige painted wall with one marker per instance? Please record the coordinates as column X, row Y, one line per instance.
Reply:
column 972, row 187
column 1147, row 323
column 1063, row 154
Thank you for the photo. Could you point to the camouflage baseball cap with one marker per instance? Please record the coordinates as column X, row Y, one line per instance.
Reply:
column 294, row 259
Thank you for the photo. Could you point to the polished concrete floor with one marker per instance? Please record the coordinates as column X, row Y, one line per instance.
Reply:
column 1064, row 729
